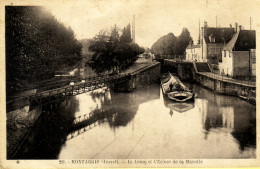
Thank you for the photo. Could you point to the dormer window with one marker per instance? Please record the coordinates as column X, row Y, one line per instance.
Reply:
column 212, row 38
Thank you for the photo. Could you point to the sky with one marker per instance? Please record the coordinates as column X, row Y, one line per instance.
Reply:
column 153, row 18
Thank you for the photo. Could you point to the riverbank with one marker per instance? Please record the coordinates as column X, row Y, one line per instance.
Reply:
column 18, row 123
column 227, row 86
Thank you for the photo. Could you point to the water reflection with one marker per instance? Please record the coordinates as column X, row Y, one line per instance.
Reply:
column 104, row 124
column 50, row 131
column 178, row 107
column 65, row 119
column 229, row 115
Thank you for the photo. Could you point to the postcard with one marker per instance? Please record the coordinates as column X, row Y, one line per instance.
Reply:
column 129, row 84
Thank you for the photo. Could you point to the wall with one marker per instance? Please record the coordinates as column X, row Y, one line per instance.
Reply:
column 241, row 63
column 214, row 52
column 253, row 61
column 228, row 88
column 236, row 64
column 194, row 54
column 140, row 79
column 226, row 66
column 189, row 54
column 184, row 70
column 204, row 51
column 253, row 69
column 198, row 52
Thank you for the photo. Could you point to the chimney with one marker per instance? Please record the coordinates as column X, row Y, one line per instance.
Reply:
column 230, row 25
column 240, row 27
column 205, row 24
column 236, row 27
column 205, row 29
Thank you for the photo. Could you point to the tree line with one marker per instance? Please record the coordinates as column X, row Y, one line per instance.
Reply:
column 113, row 52
column 172, row 45
column 37, row 45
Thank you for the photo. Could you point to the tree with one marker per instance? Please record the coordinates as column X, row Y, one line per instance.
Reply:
column 101, row 48
column 36, row 46
column 171, row 45
column 114, row 37
column 114, row 53
column 165, row 45
column 183, row 41
column 126, row 35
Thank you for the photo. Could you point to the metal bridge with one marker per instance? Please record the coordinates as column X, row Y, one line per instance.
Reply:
column 78, row 86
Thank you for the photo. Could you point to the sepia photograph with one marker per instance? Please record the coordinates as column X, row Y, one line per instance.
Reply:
column 120, row 83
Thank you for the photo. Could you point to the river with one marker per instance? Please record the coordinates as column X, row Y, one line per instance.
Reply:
column 144, row 125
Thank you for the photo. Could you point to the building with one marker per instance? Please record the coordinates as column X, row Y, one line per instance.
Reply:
column 213, row 42
column 193, row 53
column 238, row 55
column 210, row 44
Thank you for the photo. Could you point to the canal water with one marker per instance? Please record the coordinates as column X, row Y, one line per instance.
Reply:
column 144, row 125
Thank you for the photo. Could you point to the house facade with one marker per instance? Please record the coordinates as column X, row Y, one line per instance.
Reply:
column 193, row 53
column 253, row 62
column 210, row 45
column 239, row 56
column 214, row 40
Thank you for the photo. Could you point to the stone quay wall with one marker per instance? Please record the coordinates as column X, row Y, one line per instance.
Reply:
column 140, row 78
column 246, row 92
column 184, row 70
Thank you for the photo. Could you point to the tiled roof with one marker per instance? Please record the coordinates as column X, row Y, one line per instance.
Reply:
column 243, row 40
column 221, row 35
column 231, row 43
column 246, row 40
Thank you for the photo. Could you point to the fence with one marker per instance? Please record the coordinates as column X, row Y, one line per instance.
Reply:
column 225, row 85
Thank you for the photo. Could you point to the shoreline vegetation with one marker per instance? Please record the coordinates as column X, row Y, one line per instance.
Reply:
column 38, row 47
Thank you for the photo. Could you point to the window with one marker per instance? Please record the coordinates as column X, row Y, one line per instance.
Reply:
column 212, row 38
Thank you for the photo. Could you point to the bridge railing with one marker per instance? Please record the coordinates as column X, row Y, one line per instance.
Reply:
column 246, row 91
column 79, row 87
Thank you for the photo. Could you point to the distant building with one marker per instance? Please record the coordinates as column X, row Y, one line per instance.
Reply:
column 238, row 55
column 193, row 53
column 210, row 44
column 213, row 42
